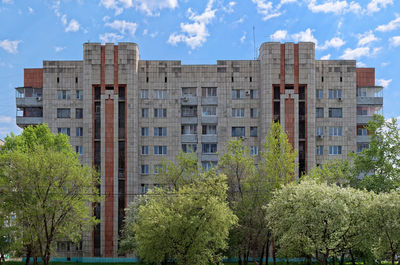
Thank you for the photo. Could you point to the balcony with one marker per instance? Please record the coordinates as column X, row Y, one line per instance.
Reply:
column 363, row 119
column 25, row 121
column 189, row 138
column 369, row 100
column 28, row 97
column 189, row 120
column 209, row 138
column 209, row 101
column 209, row 157
column 209, row 119
column 363, row 139
column 188, row 100
column 29, row 102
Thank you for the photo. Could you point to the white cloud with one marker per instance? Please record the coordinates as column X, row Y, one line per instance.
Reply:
column 59, row 48
column 243, row 38
column 366, row 38
column 266, row 9
column 394, row 41
column 383, row 82
column 150, row 7
column 6, row 119
column 30, row 10
column 336, row 7
column 7, row 1
column 351, row 54
column 73, row 26
column 240, row 20
column 376, row 5
column 326, row 57
column 229, row 8
column 106, row 18
column 196, row 33
column 110, row 37
column 145, row 32
column 306, row 36
column 361, row 64
column 335, row 42
column 392, row 25
column 384, row 64
column 279, row 35
column 123, row 26
column 10, row 46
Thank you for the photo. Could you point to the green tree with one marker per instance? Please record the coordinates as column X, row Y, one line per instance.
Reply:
column 384, row 223
column 48, row 189
column 334, row 172
column 317, row 220
column 379, row 165
column 189, row 225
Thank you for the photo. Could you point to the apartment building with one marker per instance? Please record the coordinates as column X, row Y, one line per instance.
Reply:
column 124, row 115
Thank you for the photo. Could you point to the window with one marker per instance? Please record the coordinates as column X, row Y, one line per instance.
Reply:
column 144, row 93
column 238, row 93
column 160, row 150
column 362, row 131
column 63, row 94
column 335, row 131
column 145, row 113
column 335, row 93
column 254, row 113
column 189, row 148
column 362, row 146
column 319, row 131
column 63, row 113
column 208, row 91
column 145, row 131
column 207, row 165
column 209, row 129
column 157, row 169
column 209, row 148
column 79, row 149
column 320, row 150
column 189, row 129
column 335, row 149
column 319, row 112
column 319, row 94
column 209, row 111
column 79, row 131
column 79, row 94
column 238, row 113
column 254, row 150
column 145, row 150
column 335, row 112
column 238, row 131
column 160, row 93
column 66, row 131
column 78, row 113
column 189, row 91
column 160, row 113
column 145, row 187
column 253, row 131
column 145, row 169
column 160, row 131
column 361, row 91
column 253, row 93
column 189, row 111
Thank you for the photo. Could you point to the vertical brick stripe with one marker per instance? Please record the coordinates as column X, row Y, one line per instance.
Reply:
column 289, row 119
column 296, row 68
column 33, row 78
column 109, row 177
column 282, row 68
column 305, row 117
column 116, row 69
column 365, row 77
column 102, row 69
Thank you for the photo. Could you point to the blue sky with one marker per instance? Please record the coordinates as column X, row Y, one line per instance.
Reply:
column 197, row 32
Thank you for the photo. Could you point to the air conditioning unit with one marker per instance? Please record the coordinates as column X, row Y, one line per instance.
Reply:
column 39, row 98
column 320, row 136
column 185, row 99
column 340, row 99
column 247, row 93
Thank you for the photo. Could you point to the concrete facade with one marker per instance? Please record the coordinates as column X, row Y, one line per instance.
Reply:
column 124, row 115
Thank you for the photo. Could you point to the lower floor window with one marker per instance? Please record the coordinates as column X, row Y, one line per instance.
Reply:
column 335, row 150
column 189, row 148
column 207, row 165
